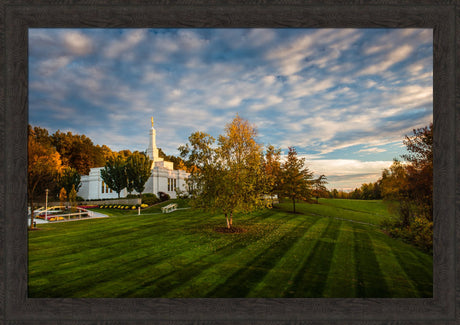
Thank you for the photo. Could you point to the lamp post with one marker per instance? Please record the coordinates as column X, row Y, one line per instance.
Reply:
column 46, row 205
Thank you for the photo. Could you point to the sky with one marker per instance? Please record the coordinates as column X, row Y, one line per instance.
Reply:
column 344, row 98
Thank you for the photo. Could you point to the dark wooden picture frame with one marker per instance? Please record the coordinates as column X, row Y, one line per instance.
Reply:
column 18, row 16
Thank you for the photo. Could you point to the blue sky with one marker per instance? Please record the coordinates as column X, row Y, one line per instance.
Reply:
column 344, row 98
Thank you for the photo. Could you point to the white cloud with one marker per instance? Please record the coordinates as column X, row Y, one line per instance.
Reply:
column 77, row 43
column 397, row 55
column 413, row 95
column 130, row 40
column 372, row 150
column 347, row 173
column 50, row 66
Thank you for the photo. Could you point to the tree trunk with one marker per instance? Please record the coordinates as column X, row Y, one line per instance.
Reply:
column 231, row 219
column 228, row 222
column 31, row 214
column 293, row 204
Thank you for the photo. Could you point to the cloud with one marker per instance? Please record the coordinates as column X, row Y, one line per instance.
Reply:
column 129, row 40
column 372, row 150
column 348, row 173
column 395, row 56
column 77, row 43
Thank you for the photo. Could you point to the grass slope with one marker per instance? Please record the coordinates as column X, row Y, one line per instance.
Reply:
column 331, row 249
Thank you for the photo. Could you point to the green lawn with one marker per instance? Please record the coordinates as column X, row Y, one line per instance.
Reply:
column 331, row 249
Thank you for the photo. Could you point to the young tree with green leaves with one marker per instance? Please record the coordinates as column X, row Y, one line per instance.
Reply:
column 138, row 171
column 114, row 174
column 199, row 157
column 319, row 188
column 272, row 170
column 296, row 178
column 68, row 178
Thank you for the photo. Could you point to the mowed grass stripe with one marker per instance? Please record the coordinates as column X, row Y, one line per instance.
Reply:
column 394, row 274
column 70, row 255
column 341, row 281
column 417, row 265
column 186, row 249
column 377, row 207
column 241, row 282
column 212, row 268
column 310, row 280
column 278, row 280
column 167, row 271
column 116, row 262
column 69, row 233
column 370, row 280
column 336, row 212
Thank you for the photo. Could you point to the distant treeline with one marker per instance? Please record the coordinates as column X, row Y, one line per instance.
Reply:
column 370, row 191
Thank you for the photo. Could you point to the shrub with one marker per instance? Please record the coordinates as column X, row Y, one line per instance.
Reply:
column 423, row 233
column 163, row 196
column 149, row 199
column 419, row 232
column 132, row 196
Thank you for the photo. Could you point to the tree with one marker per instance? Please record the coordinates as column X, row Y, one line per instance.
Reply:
column 62, row 196
column 114, row 174
column 410, row 185
column 43, row 169
column 73, row 198
column 420, row 170
column 272, row 170
column 228, row 177
column 239, row 164
column 199, row 157
column 78, row 151
column 138, row 171
column 296, row 178
column 319, row 188
column 68, row 178
column 335, row 193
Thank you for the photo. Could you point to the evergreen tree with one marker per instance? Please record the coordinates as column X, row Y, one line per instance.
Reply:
column 296, row 178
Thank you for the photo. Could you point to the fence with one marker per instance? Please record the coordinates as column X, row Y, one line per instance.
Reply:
column 133, row 201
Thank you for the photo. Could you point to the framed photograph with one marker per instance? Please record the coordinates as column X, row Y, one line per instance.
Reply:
column 335, row 88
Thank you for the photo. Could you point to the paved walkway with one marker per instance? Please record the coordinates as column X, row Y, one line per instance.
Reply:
column 93, row 214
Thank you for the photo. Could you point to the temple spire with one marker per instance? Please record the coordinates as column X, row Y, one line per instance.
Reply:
column 152, row 150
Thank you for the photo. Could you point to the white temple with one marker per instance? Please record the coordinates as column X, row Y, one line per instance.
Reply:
column 162, row 179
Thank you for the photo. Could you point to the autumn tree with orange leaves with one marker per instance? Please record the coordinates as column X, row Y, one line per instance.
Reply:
column 44, row 167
